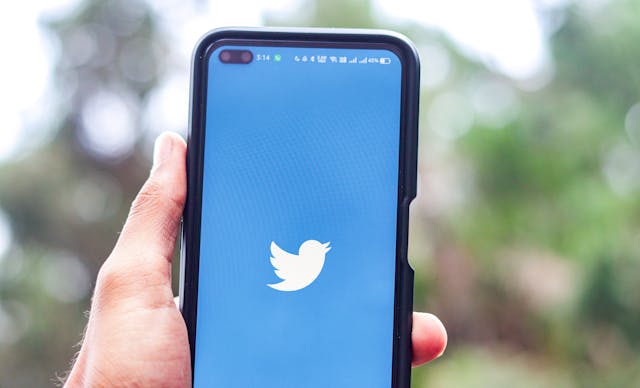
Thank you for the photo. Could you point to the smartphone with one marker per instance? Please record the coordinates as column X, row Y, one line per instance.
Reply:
column 301, row 166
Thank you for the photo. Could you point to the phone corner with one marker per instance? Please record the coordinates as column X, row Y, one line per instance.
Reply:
column 204, row 42
column 404, row 44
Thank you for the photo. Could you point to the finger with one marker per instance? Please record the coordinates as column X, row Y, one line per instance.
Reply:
column 429, row 338
column 151, row 228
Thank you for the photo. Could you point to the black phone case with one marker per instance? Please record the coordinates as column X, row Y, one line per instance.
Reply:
column 190, row 242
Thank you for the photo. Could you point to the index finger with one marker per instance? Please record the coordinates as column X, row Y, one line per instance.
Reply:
column 428, row 337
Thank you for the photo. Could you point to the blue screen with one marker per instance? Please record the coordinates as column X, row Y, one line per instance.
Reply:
column 298, row 229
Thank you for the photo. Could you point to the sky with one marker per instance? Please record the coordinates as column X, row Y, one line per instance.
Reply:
column 505, row 34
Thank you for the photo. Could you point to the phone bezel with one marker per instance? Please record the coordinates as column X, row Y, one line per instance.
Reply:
column 311, row 37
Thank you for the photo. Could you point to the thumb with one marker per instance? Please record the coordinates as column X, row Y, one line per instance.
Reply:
column 150, row 231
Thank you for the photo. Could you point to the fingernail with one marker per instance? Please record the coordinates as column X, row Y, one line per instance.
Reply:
column 161, row 150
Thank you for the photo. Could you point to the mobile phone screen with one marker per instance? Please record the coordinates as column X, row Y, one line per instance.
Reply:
column 299, row 211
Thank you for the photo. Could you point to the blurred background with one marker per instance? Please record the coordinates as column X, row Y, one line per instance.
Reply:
column 525, row 235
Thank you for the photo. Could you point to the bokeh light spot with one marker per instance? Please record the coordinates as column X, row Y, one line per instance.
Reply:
column 632, row 124
column 108, row 127
column 65, row 277
column 450, row 115
column 5, row 235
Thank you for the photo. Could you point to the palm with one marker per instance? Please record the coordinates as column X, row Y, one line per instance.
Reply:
column 142, row 337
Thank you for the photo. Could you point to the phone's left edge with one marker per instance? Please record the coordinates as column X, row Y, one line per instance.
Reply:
column 190, row 236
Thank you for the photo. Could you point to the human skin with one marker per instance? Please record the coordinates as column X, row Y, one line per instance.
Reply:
column 135, row 336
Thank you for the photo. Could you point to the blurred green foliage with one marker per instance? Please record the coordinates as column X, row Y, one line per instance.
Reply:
column 525, row 234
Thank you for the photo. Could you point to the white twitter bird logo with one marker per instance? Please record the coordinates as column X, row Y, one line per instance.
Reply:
column 298, row 271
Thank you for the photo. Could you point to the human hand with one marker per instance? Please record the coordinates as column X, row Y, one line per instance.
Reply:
column 136, row 335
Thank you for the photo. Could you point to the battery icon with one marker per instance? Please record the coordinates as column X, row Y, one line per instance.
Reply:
column 277, row 57
column 385, row 60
